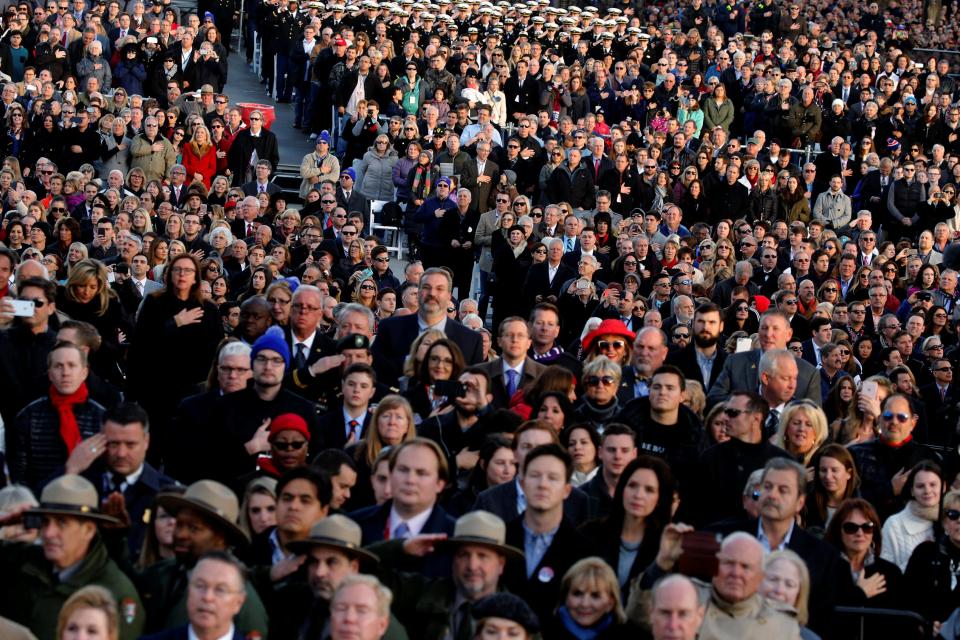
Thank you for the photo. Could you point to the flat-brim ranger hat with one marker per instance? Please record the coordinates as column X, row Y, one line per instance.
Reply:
column 71, row 495
column 213, row 501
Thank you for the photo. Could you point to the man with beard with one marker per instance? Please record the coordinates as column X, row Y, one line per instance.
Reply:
column 464, row 429
column 396, row 334
column 206, row 521
column 437, row 608
column 331, row 553
column 703, row 360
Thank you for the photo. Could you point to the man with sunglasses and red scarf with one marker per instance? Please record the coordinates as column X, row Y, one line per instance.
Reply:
column 885, row 462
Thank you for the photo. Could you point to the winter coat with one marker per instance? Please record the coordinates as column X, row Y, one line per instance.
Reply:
column 575, row 187
column 205, row 164
column 377, row 173
column 312, row 167
column 87, row 68
column 717, row 114
column 38, row 451
column 155, row 164
column 34, row 598
column 111, row 157
column 130, row 76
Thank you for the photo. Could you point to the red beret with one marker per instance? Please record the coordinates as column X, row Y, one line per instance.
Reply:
column 289, row 422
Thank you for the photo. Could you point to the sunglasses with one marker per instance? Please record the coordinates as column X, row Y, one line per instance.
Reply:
column 851, row 528
column 902, row 418
column 681, row 336
column 289, row 446
column 952, row 514
column 733, row 413
column 611, row 344
column 594, row 381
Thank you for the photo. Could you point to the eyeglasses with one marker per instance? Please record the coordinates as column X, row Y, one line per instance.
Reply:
column 289, row 446
column 276, row 362
column 681, row 336
column 187, row 271
column 330, row 202
column 255, row 118
column 790, row 301
column 730, row 412
column 348, row 233
column 935, row 347
column 947, row 368
column 851, row 528
column 519, row 204
column 796, row 349
column 595, row 381
column 367, row 287
column 440, row 360
column 902, row 418
column 281, row 301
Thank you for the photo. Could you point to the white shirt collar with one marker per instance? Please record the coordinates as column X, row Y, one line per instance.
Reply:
column 192, row 635
column 440, row 326
column 307, row 344
column 416, row 523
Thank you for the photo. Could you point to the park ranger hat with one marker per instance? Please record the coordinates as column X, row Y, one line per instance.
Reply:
column 213, row 501
column 71, row 495
column 336, row 531
column 485, row 529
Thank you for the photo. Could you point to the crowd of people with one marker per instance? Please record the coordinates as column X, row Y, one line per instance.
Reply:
column 667, row 349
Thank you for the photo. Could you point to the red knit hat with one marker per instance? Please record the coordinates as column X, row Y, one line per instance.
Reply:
column 609, row 327
column 289, row 422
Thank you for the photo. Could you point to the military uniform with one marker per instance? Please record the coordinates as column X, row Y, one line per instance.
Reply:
column 164, row 590
column 32, row 592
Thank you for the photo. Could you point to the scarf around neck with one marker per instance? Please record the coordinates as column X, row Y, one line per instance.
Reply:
column 580, row 632
column 64, row 404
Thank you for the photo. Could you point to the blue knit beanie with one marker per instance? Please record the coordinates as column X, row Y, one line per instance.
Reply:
column 274, row 341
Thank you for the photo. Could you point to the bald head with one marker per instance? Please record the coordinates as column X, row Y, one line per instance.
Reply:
column 675, row 610
column 740, row 568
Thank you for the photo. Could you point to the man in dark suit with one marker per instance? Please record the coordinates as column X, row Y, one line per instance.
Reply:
column 261, row 183
column 545, row 478
column 205, row 621
column 546, row 278
column 741, row 371
column 480, row 176
column 522, row 91
column 703, row 355
column 874, row 189
column 313, row 353
column 782, row 497
column 821, row 330
column 508, row 501
column 346, row 422
column 767, row 275
column 587, row 246
column 396, row 334
column 122, row 475
column 940, row 399
column 418, row 474
column 348, row 196
column 255, row 139
column 513, row 370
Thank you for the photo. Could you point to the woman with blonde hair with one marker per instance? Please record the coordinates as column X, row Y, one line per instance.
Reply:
column 200, row 156
column 590, row 605
column 862, row 422
column 391, row 424
column 259, row 507
column 786, row 579
column 802, row 430
column 90, row 612
column 87, row 296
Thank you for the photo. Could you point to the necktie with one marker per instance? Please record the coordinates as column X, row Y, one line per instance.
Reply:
column 401, row 532
column 300, row 359
column 568, row 244
column 773, row 420
column 139, row 287
column 943, row 394
column 354, row 430
column 464, row 624
column 115, row 482
column 263, row 188
column 511, row 382
column 346, row 196
column 249, row 228
column 596, row 169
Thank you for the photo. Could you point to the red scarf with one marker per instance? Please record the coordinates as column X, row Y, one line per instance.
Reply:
column 265, row 464
column 64, row 404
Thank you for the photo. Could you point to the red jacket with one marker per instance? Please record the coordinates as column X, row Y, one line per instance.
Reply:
column 205, row 165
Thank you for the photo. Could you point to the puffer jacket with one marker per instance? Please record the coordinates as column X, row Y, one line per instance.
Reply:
column 401, row 170
column 37, row 448
column 764, row 205
column 87, row 68
column 377, row 173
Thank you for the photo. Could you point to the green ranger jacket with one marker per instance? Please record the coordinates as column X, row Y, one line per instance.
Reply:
column 32, row 594
column 164, row 590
